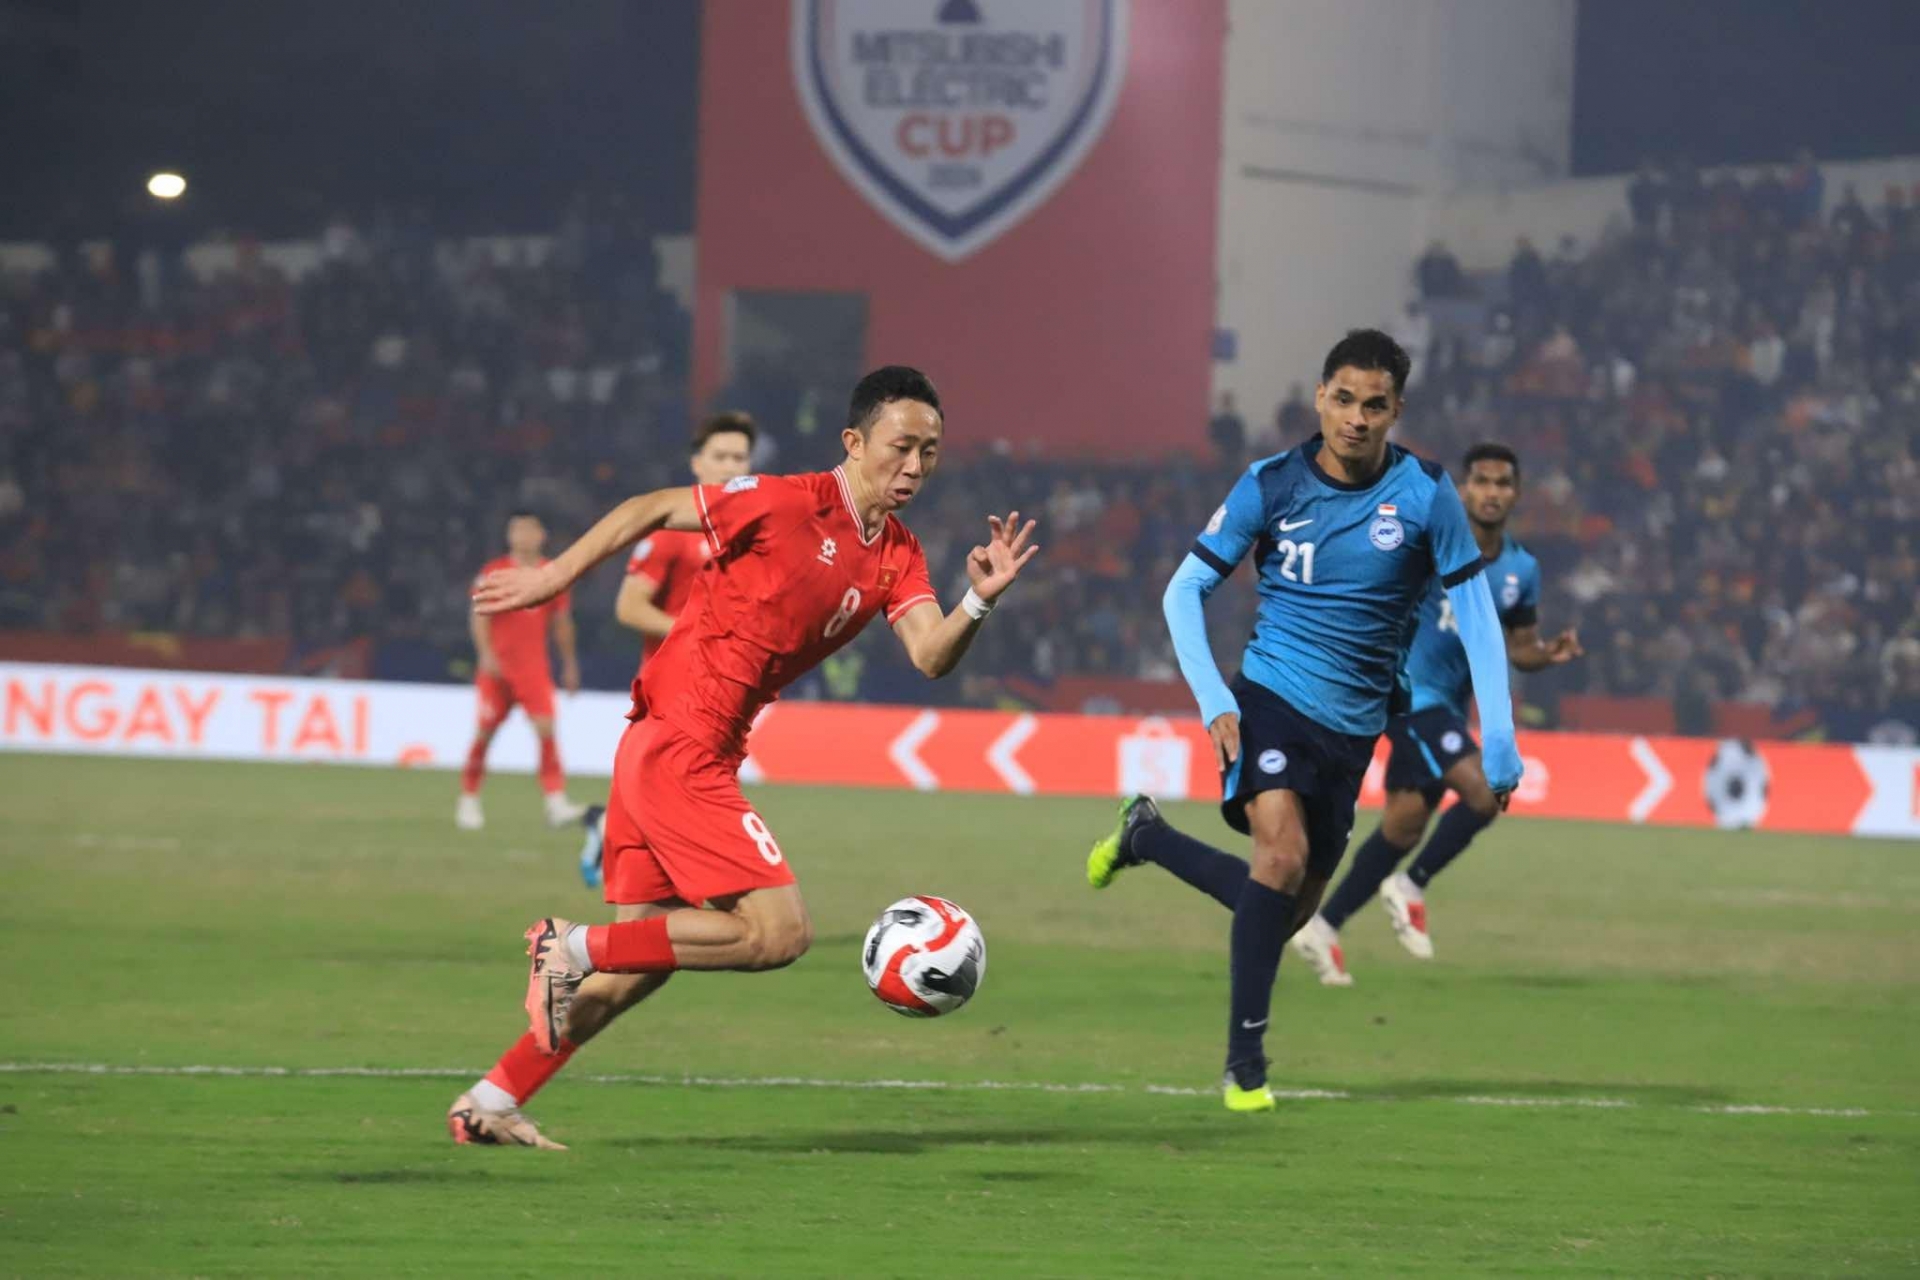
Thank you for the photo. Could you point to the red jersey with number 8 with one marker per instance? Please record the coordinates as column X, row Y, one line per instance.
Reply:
column 794, row 578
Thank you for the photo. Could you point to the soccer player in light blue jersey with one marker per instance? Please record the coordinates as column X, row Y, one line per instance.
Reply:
column 1433, row 748
column 1347, row 533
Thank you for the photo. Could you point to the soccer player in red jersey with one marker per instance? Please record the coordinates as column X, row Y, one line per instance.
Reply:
column 511, row 666
column 661, row 570
column 696, row 878
column 660, row 575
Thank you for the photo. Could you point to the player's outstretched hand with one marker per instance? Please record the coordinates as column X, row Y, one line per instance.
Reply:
column 505, row 590
column 1225, row 732
column 1564, row 647
column 992, row 568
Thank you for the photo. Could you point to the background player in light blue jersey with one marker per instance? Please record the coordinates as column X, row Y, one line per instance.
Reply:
column 1347, row 534
column 1433, row 750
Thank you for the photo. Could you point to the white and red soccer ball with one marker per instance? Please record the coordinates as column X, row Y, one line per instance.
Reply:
column 924, row 957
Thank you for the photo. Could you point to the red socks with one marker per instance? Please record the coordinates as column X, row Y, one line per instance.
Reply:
column 523, row 1069
column 631, row 946
column 476, row 767
column 552, row 778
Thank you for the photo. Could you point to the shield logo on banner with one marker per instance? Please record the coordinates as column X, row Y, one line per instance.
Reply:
column 958, row 118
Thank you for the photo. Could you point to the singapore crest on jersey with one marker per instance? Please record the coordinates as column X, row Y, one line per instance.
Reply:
column 1386, row 532
column 958, row 118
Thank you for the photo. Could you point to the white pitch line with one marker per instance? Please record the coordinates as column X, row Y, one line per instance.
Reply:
column 1603, row 1104
column 1753, row 1110
column 1543, row 1101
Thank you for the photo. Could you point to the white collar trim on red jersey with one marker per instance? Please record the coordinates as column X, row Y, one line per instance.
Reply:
column 846, row 491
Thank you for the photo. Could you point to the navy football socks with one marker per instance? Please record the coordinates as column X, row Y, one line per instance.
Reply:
column 1218, row 875
column 1373, row 863
column 1262, row 919
column 1458, row 826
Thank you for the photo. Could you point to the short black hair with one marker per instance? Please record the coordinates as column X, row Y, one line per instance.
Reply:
column 722, row 424
column 1369, row 349
column 1494, row 451
column 885, row 385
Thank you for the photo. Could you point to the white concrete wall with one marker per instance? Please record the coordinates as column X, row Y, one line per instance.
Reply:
column 1342, row 117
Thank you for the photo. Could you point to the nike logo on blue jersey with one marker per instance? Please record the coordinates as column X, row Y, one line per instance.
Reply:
column 1288, row 526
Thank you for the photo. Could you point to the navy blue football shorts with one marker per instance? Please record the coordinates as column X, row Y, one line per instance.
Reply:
column 1283, row 750
column 1425, row 745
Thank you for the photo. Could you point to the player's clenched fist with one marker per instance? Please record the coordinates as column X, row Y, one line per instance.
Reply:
column 1564, row 647
column 992, row 568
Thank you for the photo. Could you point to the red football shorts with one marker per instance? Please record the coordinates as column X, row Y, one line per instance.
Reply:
column 677, row 825
column 533, row 690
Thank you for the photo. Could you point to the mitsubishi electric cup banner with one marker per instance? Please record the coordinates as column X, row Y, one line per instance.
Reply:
column 937, row 159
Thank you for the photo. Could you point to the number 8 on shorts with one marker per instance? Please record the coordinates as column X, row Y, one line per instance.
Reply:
column 762, row 838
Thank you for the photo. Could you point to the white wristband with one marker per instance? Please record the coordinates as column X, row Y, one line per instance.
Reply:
column 976, row 608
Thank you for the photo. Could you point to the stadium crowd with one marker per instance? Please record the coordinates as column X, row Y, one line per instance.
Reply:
column 1716, row 409
column 1718, row 412
column 325, row 457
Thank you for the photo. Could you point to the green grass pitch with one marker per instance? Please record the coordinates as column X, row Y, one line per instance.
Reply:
column 1639, row 1052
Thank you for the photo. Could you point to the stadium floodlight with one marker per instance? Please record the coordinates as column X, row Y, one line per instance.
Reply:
column 166, row 186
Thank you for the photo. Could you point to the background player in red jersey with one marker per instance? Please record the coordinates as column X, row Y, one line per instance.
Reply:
column 511, row 666
column 660, row 575
column 661, row 570
column 697, row 880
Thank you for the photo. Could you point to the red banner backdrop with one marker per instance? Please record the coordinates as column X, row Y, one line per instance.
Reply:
column 1080, row 323
column 1665, row 781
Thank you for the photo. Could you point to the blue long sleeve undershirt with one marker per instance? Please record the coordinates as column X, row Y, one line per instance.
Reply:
column 1185, row 606
column 1486, row 644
